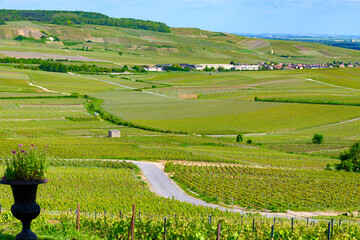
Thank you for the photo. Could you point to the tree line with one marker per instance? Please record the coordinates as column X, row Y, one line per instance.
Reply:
column 81, row 18
column 58, row 66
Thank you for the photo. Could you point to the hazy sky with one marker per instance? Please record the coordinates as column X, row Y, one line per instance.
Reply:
column 234, row 16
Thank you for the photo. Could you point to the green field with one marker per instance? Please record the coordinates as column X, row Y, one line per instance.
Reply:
column 219, row 110
column 221, row 117
column 275, row 168
column 226, row 103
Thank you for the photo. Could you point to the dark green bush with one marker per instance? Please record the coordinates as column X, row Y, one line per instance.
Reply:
column 239, row 138
column 350, row 160
column 318, row 138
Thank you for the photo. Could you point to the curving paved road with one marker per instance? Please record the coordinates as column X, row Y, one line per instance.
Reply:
column 163, row 186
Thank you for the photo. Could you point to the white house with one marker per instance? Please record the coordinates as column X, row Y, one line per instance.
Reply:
column 249, row 67
column 216, row 66
column 153, row 69
column 199, row 67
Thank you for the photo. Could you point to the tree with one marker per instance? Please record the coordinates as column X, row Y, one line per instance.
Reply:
column 221, row 69
column 350, row 160
column 136, row 68
column 239, row 138
column 318, row 138
column 79, row 17
column 19, row 38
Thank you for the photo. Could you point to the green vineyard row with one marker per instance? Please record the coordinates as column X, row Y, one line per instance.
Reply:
column 271, row 188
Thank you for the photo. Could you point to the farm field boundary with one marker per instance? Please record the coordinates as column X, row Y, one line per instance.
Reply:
column 18, row 54
column 332, row 85
column 304, row 101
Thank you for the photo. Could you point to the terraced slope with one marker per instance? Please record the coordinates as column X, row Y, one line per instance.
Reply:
column 183, row 45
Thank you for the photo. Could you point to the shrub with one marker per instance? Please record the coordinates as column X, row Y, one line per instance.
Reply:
column 249, row 141
column 350, row 160
column 317, row 139
column 330, row 167
column 239, row 138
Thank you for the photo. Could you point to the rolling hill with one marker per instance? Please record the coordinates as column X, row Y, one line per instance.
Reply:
column 141, row 47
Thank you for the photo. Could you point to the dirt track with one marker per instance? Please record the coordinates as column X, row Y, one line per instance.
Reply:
column 48, row 56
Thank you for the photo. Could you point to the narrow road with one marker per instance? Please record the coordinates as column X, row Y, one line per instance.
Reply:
column 47, row 90
column 116, row 84
column 163, row 186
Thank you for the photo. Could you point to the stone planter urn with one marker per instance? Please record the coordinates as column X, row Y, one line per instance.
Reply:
column 25, row 207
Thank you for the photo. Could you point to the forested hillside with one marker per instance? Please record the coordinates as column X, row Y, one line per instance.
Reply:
column 79, row 17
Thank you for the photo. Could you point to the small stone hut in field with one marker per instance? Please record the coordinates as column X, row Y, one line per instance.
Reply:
column 114, row 133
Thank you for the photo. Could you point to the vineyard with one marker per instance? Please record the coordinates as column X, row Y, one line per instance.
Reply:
column 220, row 117
column 270, row 188
column 101, row 227
column 166, row 147
column 274, row 168
column 116, row 184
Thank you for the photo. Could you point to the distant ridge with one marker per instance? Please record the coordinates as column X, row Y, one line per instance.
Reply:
column 79, row 17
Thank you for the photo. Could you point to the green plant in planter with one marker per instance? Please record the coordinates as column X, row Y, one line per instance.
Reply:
column 25, row 170
column 26, row 164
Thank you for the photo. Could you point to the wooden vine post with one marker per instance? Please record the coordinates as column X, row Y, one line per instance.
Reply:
column 218, row 232
column 78, row 217
column 164, row 228
column 132, row 224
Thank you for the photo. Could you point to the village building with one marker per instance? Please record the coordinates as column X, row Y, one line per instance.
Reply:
column 215, row 66
column 153, row 69
column 278, row 66
column 246, row 67
column 199, row 67
column 185, row 65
